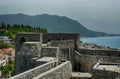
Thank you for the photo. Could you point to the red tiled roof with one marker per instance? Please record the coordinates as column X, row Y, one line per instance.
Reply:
column 7, row 51
column 1, row 56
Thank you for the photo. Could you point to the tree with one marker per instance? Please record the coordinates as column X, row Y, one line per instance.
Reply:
column 2, row 26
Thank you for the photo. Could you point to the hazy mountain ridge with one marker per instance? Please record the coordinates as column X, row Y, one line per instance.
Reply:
column 53, row 23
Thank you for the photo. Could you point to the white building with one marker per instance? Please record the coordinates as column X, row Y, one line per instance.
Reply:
column 5, row 39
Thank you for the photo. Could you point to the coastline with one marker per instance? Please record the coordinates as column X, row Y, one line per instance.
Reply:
column 109, row 41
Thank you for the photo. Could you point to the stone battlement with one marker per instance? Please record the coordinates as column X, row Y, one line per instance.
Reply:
column 57, row 55
column 46, row 70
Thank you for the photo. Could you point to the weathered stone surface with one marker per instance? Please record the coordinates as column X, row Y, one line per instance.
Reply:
column 100, row 52
column 62, row 71
column 23, row 56
column 102, row 74
column 35, row 71
column 106, row 71
column 62, row 36
column 88, row 61
column 49, row 51
column 62, row 44
column 80, row 75
column 63, row 47
column 47, row 37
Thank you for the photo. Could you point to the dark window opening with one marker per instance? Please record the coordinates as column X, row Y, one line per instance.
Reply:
column 22, row 40
column 49, row 40
column 109, row 54
column 77, row 67
column 119, row 55
column 58, row 39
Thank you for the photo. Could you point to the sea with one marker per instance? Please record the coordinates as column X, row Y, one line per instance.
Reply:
column 112, row 42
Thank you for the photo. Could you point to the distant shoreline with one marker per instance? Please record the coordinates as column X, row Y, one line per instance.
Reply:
column 101, row 36
column 108, row 41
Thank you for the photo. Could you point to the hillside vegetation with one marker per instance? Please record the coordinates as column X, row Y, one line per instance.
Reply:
column 12, row 29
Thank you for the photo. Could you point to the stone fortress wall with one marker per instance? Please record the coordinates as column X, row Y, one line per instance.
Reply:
column 47, row 37
column 62, row 36
column 49, row 70
column 62, row 71
column 36, row 71
column 99, row 52
column 62, row 44
column 64, row 47
column 85, row 63
column 103, row 73
column 27, row 37
column 23, row 56
column 87, row 58
column 49, row 51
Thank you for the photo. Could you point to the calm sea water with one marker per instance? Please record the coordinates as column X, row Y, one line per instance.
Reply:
column 113, row 42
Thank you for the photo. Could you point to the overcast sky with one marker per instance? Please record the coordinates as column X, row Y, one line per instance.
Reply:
column 98, row 15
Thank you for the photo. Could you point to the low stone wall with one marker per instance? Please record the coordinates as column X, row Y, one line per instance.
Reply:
column 49, row 51
column 99, row 52
column 62, row 44
column 86, row 62
column 100, row 73
column 79, row 75
column 65, row 54
column 35, row 71
column 103, row 74
column 80, row 78
column 63, row 71
column 47, row 37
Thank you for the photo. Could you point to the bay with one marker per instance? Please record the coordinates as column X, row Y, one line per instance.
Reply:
column 113, row 41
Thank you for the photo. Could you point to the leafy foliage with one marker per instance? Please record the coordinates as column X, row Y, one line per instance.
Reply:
column 7, row 70
column 12, row 30
column 5, row 45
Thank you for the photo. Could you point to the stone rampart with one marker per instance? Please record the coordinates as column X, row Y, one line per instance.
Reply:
column 62, row 36
column 23, row 56
column 47, row 37
column 66, row 48
column 106, row 71
column 65, row 54
column 62, row 71
column 103, row 74
column 86, row 62
column 49, row 51
column 100, row 52
column 62, row 44
column 27, row 37
column 35, row 71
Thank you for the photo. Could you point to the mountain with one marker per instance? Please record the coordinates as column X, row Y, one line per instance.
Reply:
column 53, row 23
